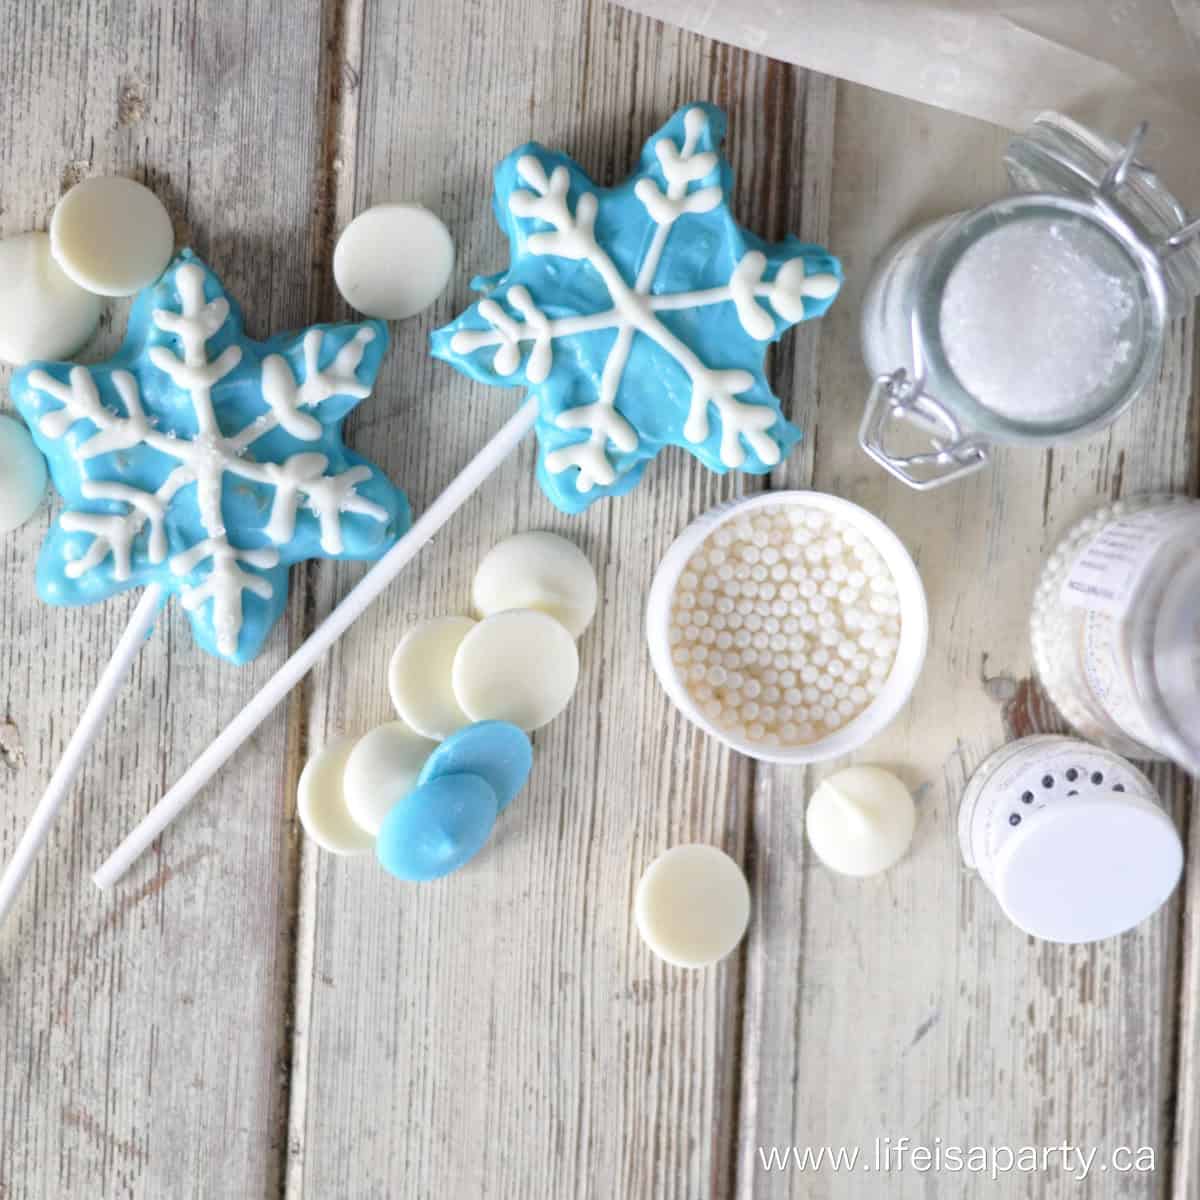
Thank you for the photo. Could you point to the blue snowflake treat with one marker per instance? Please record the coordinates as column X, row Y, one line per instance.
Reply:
column 638, row 315
column 207, row 463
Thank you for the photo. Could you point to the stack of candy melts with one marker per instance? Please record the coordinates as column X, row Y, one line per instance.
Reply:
column 785, row 625
column 425, row 791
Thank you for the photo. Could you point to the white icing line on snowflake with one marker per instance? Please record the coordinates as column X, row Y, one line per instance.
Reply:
column 207, row 458
column 224, row 584
column 286, row 398
column 633, row 312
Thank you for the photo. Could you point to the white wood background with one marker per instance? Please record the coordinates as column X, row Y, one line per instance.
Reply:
column 245, row 1017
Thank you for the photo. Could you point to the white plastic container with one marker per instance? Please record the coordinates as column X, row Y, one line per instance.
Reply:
column 1116, row 628
column 909, row 655
column 1069, row 838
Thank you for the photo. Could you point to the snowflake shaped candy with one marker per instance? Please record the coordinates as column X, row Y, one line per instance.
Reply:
column 638, row 315
column 206, row 462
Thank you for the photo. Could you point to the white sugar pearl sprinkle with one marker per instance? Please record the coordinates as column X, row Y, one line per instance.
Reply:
column 785, row 619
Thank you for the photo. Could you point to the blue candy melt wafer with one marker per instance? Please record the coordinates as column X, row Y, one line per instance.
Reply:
column 496, row 751
column 437, row 828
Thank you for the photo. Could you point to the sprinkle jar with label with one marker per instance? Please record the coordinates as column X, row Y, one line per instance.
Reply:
column 1116, row 628
column 1035, row 318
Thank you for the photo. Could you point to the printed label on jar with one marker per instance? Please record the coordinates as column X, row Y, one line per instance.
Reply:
column 1107, row 675
column 1104, row 577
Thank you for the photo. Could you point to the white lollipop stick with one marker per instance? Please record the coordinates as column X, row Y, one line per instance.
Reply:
column 368, row 589
column 140, row 625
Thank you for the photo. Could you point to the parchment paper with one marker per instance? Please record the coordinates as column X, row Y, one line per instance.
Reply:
column 1108, row 63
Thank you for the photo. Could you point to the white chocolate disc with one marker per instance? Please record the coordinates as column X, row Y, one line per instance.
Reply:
column 381, row 770
column 43, row 312
column 393, row 260
column 519, row 667
column 537, row 570
column 22, row 475
column 861, row 820
column 321, row 802
column 419, row 677
column 692, row 905
column 111, row 235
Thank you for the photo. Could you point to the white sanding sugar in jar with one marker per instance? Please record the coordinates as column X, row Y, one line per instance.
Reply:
column 1033, row 322
column 1032, row 319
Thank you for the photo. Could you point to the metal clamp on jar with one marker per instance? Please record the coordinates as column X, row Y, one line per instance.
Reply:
column 1035, row 318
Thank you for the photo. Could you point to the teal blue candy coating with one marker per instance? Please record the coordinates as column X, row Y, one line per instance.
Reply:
column 496, row 751
column 437, row 828
column 654, row 392
column 113, row 473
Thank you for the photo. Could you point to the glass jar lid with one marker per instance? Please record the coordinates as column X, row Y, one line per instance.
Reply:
column 1059, row 155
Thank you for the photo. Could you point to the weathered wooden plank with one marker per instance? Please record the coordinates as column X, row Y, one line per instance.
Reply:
column 504, row 1031
column 142, row 1034
column 907, row 1005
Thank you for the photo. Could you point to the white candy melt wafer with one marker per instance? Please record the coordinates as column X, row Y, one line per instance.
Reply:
column 22, row 475
column 393, row 260
column 321, row 802
column 538, row 570
column 519, row 667
column 419, row 677
column 44, row 314
column 111, row 235
column 381, row 770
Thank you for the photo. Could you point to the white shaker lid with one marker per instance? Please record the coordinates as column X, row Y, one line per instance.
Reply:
column 1088, row 870
column 1071, row 840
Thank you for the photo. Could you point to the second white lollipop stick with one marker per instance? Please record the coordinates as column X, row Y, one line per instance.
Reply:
column 368, row 589
column 127, row 648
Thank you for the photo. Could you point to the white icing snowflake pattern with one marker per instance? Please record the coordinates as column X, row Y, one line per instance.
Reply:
column 213, row 568
column 612, row 424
